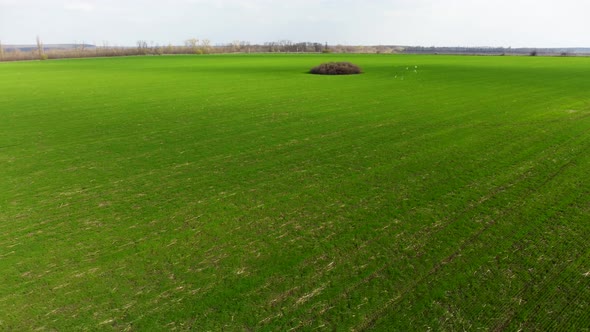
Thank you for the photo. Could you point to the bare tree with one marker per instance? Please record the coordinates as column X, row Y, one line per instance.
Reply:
column 169, row 49
column 206, row 45
column 1, row 51
column 286, row 45
column 142, row 47
column 80, row 48
column 245, row 45
column 192, row 44
column 235, row 46
column 271, row 46
column 40, row 49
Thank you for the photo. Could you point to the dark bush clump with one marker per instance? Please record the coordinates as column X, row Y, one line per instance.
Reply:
column 336, row 68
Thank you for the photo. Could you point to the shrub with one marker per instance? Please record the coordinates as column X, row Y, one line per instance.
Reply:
column 336, row 68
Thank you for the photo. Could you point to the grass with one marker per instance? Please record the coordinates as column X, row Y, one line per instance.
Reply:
column 241, row 193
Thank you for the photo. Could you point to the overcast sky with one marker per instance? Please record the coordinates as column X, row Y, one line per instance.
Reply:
column 516, row 23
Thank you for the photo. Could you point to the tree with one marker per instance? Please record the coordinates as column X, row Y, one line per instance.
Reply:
column 80, row 48
column 285, row 45
column 158, row 50
column 236, row 46
column 192, row 44
column 40, row 50
column 206, row 45
column 1, row 51
column 142, row 47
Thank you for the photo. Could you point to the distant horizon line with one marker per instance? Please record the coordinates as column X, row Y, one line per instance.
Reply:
column 153, row 44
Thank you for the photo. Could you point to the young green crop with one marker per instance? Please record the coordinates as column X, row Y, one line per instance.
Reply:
column 239, row 192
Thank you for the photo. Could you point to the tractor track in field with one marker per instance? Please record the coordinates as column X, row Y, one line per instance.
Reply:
column 434, row 229
column 375, row 317
column 420, row 234
column 502, row 323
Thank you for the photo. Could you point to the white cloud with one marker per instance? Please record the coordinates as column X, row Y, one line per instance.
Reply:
column 415, row 22
column 80, row 6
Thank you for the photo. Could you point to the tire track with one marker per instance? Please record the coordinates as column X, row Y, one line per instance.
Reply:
column 372, row 319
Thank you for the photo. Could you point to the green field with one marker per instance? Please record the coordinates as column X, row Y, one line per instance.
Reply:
column 238, row 192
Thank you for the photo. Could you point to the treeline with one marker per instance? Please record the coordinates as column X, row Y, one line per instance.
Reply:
column 39, row 51
column 495, row 51
column 142, row 47
column 42, row 52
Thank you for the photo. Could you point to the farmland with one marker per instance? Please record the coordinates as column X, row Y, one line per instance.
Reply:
column 239, row 192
